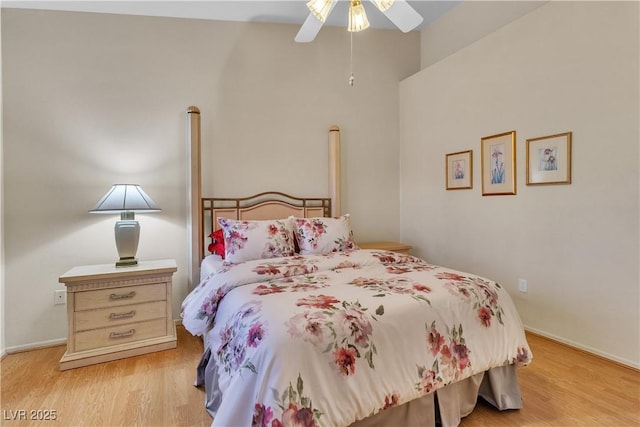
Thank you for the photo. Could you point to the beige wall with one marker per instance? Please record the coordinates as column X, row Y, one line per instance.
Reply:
column 467, row 22
column 566, row 66
column 91, row 100
column 2, row 323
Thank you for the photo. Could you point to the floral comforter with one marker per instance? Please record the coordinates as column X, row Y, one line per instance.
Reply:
column 327, row 340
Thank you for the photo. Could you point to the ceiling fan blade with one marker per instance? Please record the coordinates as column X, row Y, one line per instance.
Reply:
column 311, row 26
column 309, row 29
column 403, row 16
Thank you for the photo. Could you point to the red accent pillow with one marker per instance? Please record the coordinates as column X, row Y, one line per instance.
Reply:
column 217, row 243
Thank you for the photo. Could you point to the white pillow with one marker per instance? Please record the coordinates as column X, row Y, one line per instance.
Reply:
column 249, row 240
column 317, row 236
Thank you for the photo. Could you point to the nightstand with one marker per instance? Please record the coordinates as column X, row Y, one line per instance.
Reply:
column 118, row 312
column 387, row 246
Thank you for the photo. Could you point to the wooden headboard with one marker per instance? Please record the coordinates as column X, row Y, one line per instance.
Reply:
column 203, row 212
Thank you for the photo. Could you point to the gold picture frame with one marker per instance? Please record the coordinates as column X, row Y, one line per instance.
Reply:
column 459, row 170
column 499, row 164
column 549, row 159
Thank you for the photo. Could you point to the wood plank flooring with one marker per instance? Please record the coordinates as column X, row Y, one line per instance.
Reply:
column 563, row 387
column 155, row 389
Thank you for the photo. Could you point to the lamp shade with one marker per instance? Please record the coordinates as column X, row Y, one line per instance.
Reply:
column 125, row 198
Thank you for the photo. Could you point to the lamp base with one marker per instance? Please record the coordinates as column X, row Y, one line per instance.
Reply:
column 126, row 262
column 127, row 235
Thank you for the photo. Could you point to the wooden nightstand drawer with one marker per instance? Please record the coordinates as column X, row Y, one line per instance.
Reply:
column 123, row 334
column 114, row 316
column 120, row 296
column 117, row 312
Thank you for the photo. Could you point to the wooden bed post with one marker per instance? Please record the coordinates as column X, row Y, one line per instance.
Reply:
column 334, row 170
column 194, row 193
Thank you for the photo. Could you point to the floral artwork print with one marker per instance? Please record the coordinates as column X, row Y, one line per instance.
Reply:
column 497, row 164
column 297, row 409
column 549, row 159
column 458, row 169
column 547, row 156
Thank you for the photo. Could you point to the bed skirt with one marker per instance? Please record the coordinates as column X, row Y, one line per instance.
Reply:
column 445, row 407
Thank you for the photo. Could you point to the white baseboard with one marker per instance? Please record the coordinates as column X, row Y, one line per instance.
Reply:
column 35, row 345
column 583, row 347
column 50, row 343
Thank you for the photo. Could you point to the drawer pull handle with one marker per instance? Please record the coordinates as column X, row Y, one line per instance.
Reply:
column 128, row 333
column 116, row 316
column 122, row 296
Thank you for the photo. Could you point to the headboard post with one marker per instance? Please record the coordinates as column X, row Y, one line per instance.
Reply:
column 334, row 170
column 268, row 205
column 194, row 194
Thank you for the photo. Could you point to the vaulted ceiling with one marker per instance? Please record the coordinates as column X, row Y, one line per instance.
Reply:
column 275, row 11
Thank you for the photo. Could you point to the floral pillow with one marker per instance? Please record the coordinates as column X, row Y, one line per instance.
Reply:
column 316, row 236
column 249, row 240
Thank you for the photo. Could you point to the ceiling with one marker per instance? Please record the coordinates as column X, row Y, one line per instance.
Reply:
column 274, row 11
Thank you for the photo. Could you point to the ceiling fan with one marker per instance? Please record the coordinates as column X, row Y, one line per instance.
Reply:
column 399, row 12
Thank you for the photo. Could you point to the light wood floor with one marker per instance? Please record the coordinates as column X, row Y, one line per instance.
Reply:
column 559, row 389
column 154, row 389
column 565, row 387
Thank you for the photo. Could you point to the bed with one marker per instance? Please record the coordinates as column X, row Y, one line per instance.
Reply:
column 302, row 328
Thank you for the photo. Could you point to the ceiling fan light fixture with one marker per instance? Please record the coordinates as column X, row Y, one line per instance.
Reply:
column 357, row 17
column 383, row 5
column 320, row 8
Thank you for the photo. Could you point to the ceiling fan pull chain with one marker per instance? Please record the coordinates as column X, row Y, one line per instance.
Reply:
column 352, row 78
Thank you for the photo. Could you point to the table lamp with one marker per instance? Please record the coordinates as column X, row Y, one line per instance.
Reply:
column 126, row 199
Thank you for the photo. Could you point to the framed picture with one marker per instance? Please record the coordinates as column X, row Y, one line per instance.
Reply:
column 499, row 164
column 459, row 168
column 549, row 159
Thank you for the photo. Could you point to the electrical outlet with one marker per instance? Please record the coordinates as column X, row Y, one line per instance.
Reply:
column 59, row 297
column 522, row 285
